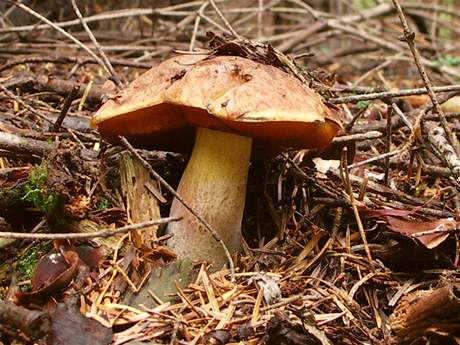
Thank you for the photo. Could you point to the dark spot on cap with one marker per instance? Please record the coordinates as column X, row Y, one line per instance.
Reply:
column 179, row 75
column 246, row 77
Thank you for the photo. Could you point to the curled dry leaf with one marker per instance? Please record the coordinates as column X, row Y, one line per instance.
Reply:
column 411, row 228
column 57, row 269
column 54, row 273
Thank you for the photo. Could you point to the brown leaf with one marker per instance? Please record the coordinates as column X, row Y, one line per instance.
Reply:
column 53, row 273
column 409, row 228
column 69, row 327
column 90, row 256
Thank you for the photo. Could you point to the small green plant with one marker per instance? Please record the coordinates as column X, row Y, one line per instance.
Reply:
column 363, row 104
column 103, row 204
column 449, row 60
column 420, row 189
column 364, row 4
column 28, row 261
column 35, row 191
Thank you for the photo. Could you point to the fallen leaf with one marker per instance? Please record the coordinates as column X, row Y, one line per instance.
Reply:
column 410, row 228
column 53, row 273
column 70, row 327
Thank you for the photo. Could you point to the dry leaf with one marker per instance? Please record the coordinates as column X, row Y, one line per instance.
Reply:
column 410, row 228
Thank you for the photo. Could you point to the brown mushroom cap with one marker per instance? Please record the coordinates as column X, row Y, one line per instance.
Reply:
column 162, row 107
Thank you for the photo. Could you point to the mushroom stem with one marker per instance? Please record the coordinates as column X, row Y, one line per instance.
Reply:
column 213, row 185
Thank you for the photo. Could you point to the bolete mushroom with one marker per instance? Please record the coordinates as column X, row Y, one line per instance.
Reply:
column 223, row 103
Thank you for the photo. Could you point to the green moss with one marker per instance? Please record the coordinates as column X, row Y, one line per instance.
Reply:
column 28, row 262
column 36, row 193
column 363, row 104
column 364, row 4
column 448, row 60
column 103, row 204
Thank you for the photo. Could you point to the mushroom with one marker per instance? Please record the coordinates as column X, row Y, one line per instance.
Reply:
column 223, row 103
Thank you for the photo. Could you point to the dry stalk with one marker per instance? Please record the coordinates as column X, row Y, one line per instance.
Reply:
column 348, row 188
column 88, row 235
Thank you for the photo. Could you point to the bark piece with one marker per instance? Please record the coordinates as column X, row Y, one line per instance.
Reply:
column 427, row 313
column 142, row 195
column 34, row 324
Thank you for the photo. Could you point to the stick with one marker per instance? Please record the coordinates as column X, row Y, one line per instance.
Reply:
column 88, row 235
column 107, row 64
column 65, row 33
column 391, row 94
column 65, row 108
column 409, row 37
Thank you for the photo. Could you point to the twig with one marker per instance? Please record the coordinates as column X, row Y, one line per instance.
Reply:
column 376, row 158
column 391, row 94
column 18, row 144
column 196, row 25
column 322, row 23
column 436, row 231
column 112, row 15
column 260, row 17
column 224, row 20
column 24, row 104
column 409, row 37
column 212, row 22
column 348, row 188
column 65, row 108
column 42, row 83
column 68, row 59
column 355, row 117
column 388, row 147
column 65, row 33
column 403, row 117
column 437, row 137
column 381, row 66
column 88, row 235
column 396, row 123
column 377, row 188
column 107, row 64
column 357, row 137
column 35, row 324
column 171, row 190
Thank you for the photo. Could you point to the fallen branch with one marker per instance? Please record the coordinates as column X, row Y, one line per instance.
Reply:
column 33, row 323
column 88, row 235
column 42, row 83
column 391, row 94
column 17, row 144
